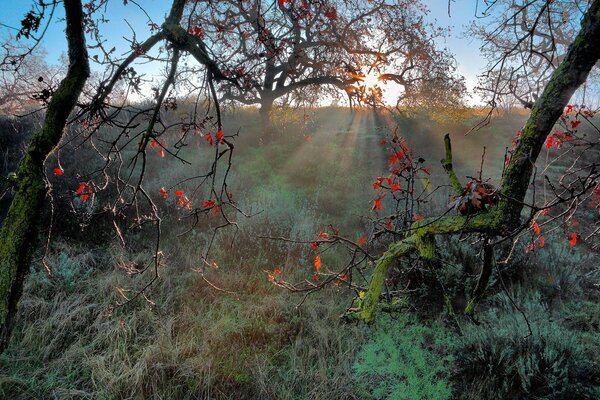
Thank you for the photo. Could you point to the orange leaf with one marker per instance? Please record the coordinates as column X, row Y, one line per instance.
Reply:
column 536, row 227
column 542, row 241
column 317, row 263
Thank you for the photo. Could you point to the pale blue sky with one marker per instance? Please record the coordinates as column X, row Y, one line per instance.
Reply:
column 466, row 50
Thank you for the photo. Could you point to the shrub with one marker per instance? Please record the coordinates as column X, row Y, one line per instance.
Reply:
column 405, row 360
column 498, row 359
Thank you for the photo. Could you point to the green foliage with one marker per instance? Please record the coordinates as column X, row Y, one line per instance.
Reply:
column 498, row 359
column 405, row 360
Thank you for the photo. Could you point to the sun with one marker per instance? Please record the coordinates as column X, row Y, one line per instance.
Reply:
column 370, row 80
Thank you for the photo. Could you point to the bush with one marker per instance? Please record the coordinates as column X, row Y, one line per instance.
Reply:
column 498, row 359
column 405, row 360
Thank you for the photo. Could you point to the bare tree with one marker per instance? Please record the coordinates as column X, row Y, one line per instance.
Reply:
column 280, row 48
column 524, row 44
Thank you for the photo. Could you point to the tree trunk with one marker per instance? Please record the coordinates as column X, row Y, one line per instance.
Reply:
column 19, row 228
column 266, row 113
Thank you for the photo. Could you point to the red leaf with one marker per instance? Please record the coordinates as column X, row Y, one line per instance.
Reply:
column 316, row 277
column 81, row 188
column 178, row 193
column 209, row 204
column 573, row 240
column 314, row 246
column 58, row 171
column 163, row 192
column 418, row 217
column 575, row 124
column 361, row 241
column 376, row 204
column 161, row 152
column 396, row 187
column 331, row 14
column 393, row 159
column 220, row 137
column 542, row 241
column 209, row 138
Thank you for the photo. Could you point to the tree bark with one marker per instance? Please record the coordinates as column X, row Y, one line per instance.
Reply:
column 19, row 228
column 266, row 114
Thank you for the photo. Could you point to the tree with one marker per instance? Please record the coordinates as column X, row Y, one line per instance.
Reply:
column 20, row 227
column 494, row 215
column 529, row 40
column 277, row 49
column 505, row 220
column 22, row 78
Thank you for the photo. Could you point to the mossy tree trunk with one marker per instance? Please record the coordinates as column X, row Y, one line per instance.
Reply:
column 19, row 228
column 503, row 219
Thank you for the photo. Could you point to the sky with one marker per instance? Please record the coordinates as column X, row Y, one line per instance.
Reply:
column 462, row 12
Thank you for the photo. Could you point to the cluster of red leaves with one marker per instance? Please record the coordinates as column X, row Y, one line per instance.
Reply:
column 314, row 246
column 331, row 13
column 272, row 275
column 84, row 191
column 539, row 239
column 184, row 202
column 196, row 31
column 219, row 138
column 557, row 138
column 156, row 145
column 400, row 161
